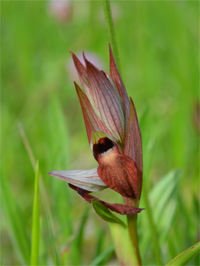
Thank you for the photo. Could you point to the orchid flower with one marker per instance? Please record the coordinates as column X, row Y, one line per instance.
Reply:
column 114, row 138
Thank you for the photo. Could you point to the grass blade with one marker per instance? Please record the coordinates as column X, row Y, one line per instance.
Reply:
column 160, row 205
column 44, row 197
column 36, row 221
column 184, row 257
column 13, row 219
column 76, row 248
column 103, row 257
column 152, row 226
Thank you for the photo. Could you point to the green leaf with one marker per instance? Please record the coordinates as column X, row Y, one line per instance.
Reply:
column 164, row 199
column 184, row 257
column 58, row 158
column 160, row 205
column 15, row 221
column 36, row 221
column 106, row 214
column 44, row 201
column 77, row 246
column 102, row 258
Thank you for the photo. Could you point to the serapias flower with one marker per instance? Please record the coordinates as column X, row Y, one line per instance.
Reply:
column 114, row 137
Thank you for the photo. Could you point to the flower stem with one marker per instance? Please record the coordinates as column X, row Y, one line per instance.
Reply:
column 132, row 228
column 127, row 252
column 111, row 30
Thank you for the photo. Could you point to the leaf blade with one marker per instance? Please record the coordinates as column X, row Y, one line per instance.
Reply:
column 184, row 257
column 13, row 217
column 106, row 214
column 36, row 221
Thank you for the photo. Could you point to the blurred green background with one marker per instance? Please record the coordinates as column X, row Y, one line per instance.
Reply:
column 158, row 44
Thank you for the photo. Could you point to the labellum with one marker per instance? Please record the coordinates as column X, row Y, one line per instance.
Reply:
column 114, row 137
column 116, row 170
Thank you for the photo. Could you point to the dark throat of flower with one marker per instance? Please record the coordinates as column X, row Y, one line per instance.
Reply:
column 100, row 148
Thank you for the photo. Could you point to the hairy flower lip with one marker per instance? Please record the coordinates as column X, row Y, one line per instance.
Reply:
column 119, row 173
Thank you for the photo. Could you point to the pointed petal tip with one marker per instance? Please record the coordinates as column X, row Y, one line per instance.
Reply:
column 110, row 49
column 131, row 101
column 72, row 54
column 88, row 63
column 50, row 173
column 83, row 53
column 53, row 173
column 74, row 57
column 76, row 85
column 140, row 209
column 78, row 89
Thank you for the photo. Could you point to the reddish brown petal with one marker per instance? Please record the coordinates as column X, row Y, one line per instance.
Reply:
column 114, row 74
column 81, row 69
column 133, row 143
column 92, row 121
column 119, row 208
column 106, row 101
column 82, row 73
column 118, row 172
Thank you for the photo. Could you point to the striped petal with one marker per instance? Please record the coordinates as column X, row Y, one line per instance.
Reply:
column 133, row 143
column 106, row 101
column 81, row 70
column 84, row 179
column 115, row 76
column 92, row 121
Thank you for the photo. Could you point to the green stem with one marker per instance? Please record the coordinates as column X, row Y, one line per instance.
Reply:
column 111, row 30
column 132, row 228
column 152, row 226
column 125, row 248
